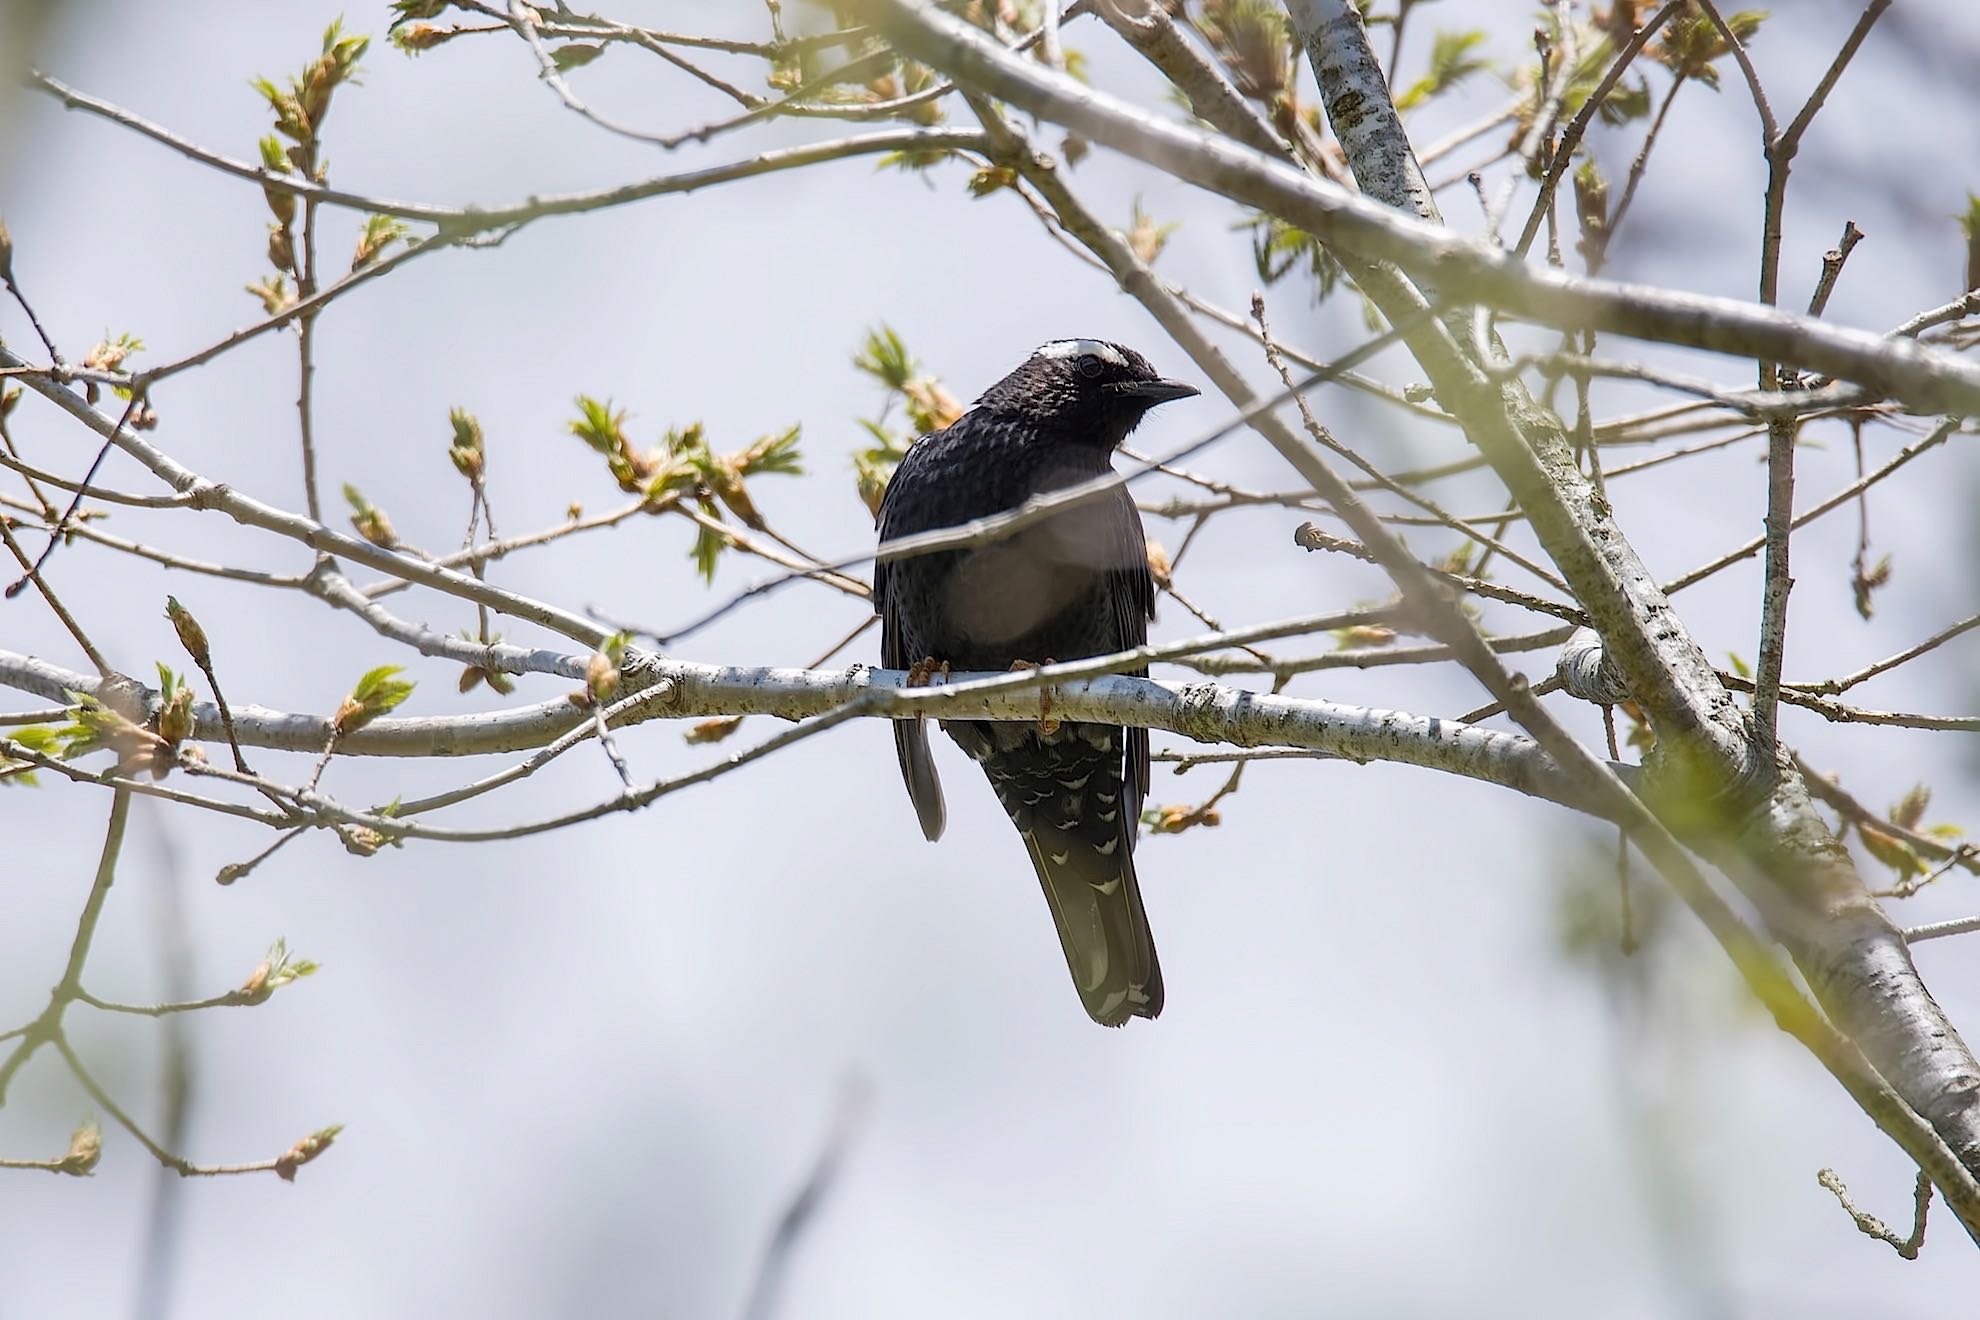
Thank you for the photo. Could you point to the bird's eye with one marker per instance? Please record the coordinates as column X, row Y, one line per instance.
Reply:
column 1090, row 366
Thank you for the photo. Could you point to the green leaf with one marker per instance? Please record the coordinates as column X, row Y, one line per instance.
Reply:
column 1451, row 62
column 574, row 56
column 407, row 10
column 467, row 448
column 991, row 178
column 274, row 157
column 599, row 426
column 708, row 546
column 380, row 232
column 1277, row 248
column 776, row 453
column 1910, row 809
column 688, row 443
column 1692, row 42
column 885, row 358
column 41, row 739
column 375, row 694
column 918, row 159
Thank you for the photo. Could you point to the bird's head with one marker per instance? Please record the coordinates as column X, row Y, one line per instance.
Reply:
column 1096, row 391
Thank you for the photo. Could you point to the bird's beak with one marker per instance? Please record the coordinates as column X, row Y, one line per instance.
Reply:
column 1152, row 392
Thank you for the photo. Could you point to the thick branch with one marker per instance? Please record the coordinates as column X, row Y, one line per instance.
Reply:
column 1206, row 712
column 1456, row 266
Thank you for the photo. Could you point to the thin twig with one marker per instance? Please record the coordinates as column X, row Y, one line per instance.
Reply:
column 1937, row 436
column 1831, row 687
column 1871, row 1226
column 68, row 514
column 1636, row 168
column 1571, row 137
column 1832, row 264
column 803, row 1207
column 33, row 575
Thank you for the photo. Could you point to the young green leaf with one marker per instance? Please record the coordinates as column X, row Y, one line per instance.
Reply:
column 380, row 232
column 1452, row 60
column 375, row 694
column 708, row 546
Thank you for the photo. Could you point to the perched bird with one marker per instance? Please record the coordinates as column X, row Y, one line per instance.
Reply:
column 1075, row 584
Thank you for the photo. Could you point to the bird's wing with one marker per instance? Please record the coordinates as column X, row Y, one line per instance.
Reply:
column 924, row 786
column 1131, row 589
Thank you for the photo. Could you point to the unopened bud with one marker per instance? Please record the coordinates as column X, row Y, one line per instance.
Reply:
column 305, row 1150
column 601, row 676
column 175, row 722
column 281, row 204
column 191, row 635
column 85, row 1149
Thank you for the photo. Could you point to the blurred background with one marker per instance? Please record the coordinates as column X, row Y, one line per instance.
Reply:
column 1403, row 1070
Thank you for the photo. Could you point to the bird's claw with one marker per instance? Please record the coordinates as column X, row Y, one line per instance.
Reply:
column 923, row 671
column 1047, row 726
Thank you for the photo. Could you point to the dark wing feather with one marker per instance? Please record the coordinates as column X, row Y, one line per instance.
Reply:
column 924, row 785
column 1131, row 590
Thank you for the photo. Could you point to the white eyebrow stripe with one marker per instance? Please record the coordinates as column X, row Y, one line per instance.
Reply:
column 1066, row 348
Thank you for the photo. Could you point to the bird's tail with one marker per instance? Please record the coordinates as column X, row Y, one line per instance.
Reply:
column 1096, row 904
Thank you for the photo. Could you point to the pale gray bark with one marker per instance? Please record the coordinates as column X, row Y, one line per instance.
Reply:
column 1206, row 712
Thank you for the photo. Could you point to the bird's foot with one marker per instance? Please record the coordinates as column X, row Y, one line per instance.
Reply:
column 922, row 671
column 1047, row 726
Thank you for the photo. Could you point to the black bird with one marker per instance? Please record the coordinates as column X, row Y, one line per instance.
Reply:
column 1073, row 585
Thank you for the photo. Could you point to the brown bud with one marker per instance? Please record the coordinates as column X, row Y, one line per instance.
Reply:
column 363, row 841
column 467, row 449
column 85, row 1149
column 109, row 355
column 281, row 204
column 601, row 676
column 726, row 481
column 713, row 731
column 349, row 712
column 420, row 36
column 191, row 635
column 281, row 248
column 375, row 527
column 255, row 989
column 872, row 489
column 1911, row 807
column 304, row 1151
column 1364, row 634
column 175, row 722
